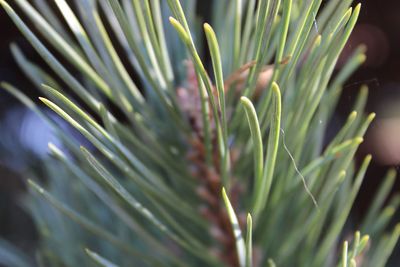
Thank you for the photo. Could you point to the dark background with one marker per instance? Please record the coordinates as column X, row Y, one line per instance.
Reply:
column 378, row 28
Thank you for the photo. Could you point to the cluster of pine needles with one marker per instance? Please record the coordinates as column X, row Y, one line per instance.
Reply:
column 205, row 144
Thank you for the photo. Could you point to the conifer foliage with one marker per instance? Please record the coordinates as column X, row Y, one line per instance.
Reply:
column 205, row 142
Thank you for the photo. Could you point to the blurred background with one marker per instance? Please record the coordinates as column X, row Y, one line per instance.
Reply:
column 24, row 137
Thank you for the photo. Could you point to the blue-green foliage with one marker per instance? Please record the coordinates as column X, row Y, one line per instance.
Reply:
column 131, row 198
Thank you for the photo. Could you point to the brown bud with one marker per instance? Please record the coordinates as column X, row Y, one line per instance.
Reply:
column 203, row 193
